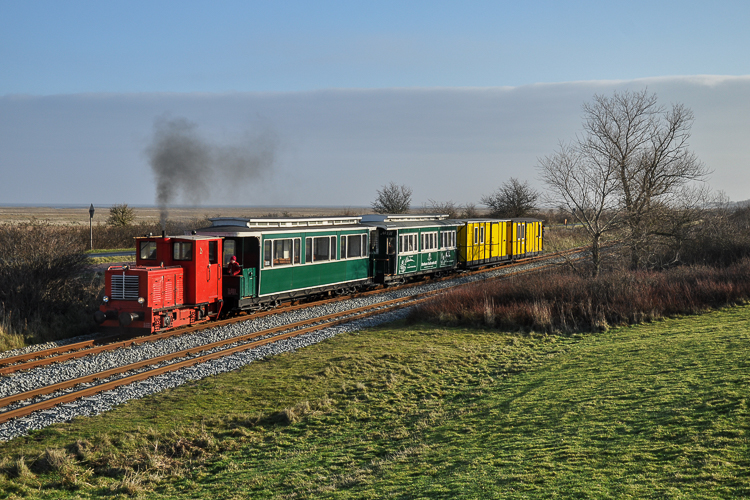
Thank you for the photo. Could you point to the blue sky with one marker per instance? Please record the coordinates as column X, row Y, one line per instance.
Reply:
column 54, row 47
column 356, row 94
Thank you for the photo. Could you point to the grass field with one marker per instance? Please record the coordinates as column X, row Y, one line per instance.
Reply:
column 415, row 411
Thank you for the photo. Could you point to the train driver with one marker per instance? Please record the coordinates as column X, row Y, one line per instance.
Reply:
column 233, row 268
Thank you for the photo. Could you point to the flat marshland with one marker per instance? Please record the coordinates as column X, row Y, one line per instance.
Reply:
column 422, row 411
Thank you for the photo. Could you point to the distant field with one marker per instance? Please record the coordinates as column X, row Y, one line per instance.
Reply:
column 81, row 215
column 414, row 411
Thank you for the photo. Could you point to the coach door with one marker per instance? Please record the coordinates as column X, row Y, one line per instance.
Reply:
column 390, row 249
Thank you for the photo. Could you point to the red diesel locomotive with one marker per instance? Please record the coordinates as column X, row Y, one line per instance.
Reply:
column 176, row 281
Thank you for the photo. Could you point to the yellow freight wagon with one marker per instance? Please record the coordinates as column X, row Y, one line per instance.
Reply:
column 526, row 237
column 483, row 241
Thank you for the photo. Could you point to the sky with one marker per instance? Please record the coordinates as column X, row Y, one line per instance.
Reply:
column 451, row 98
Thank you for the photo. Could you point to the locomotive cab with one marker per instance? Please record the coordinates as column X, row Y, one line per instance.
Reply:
column 176, row 282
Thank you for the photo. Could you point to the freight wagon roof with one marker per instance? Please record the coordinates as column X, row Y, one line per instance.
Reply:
column 478, row 220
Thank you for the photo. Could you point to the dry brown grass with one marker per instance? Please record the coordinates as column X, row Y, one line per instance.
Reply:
column 564, row 301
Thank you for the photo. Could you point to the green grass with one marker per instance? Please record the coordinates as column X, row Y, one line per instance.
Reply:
column 110, row 250
column 104, row 260
column 415, row 411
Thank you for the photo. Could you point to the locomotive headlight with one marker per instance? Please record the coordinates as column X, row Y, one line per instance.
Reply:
column 141, row 300
column 105, row 299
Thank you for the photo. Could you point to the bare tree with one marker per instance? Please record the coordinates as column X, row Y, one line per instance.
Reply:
column 446, row 208
column 631, row 162
column 469, row 211
column 392, row 199
column 120, row 215
column 512, row 199
column 585, row 188
column 647, row 145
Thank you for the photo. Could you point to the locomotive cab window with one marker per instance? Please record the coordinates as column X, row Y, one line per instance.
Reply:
column 213, row 252
column 182, row 250
column 148, row 250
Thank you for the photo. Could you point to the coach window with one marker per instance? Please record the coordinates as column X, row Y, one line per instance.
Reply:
column 297, row 243
column 429, row 241
column 213, row 250
column 481, row 235
column 308, row 250
column 229, row 251
column 321, row 249
column 182, row 250
column 448, row 239
column 408, row 243
column 476, row 235
column 354, row 247
column 267, row 247
column 333, row 247
column 148, row 250
column 282, row 252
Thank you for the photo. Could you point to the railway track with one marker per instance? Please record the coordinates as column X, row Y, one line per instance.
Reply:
column 89, row 347
column 51, row 395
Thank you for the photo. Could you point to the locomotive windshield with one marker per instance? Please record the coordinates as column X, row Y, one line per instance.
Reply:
column 148, row 250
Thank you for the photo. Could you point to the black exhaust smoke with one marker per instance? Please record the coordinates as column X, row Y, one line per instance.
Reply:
column 189, row 167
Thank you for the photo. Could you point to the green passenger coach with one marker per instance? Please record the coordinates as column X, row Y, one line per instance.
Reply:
column 289, row 258
column 411, row 245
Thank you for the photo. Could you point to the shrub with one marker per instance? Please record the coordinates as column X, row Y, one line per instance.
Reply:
column 44, row 287
column 120, row 215
column 564, row 301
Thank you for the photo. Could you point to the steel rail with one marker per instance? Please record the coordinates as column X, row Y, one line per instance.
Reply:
column 297, row 329
column 292, row 330
column 76, row 350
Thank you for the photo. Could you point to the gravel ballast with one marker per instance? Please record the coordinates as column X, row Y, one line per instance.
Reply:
column 94, row 405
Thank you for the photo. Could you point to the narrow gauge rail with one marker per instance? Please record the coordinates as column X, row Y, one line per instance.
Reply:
column 265, row 337
column 66, row 352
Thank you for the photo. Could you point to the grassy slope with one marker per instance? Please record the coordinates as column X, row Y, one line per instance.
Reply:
column 644, row 412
